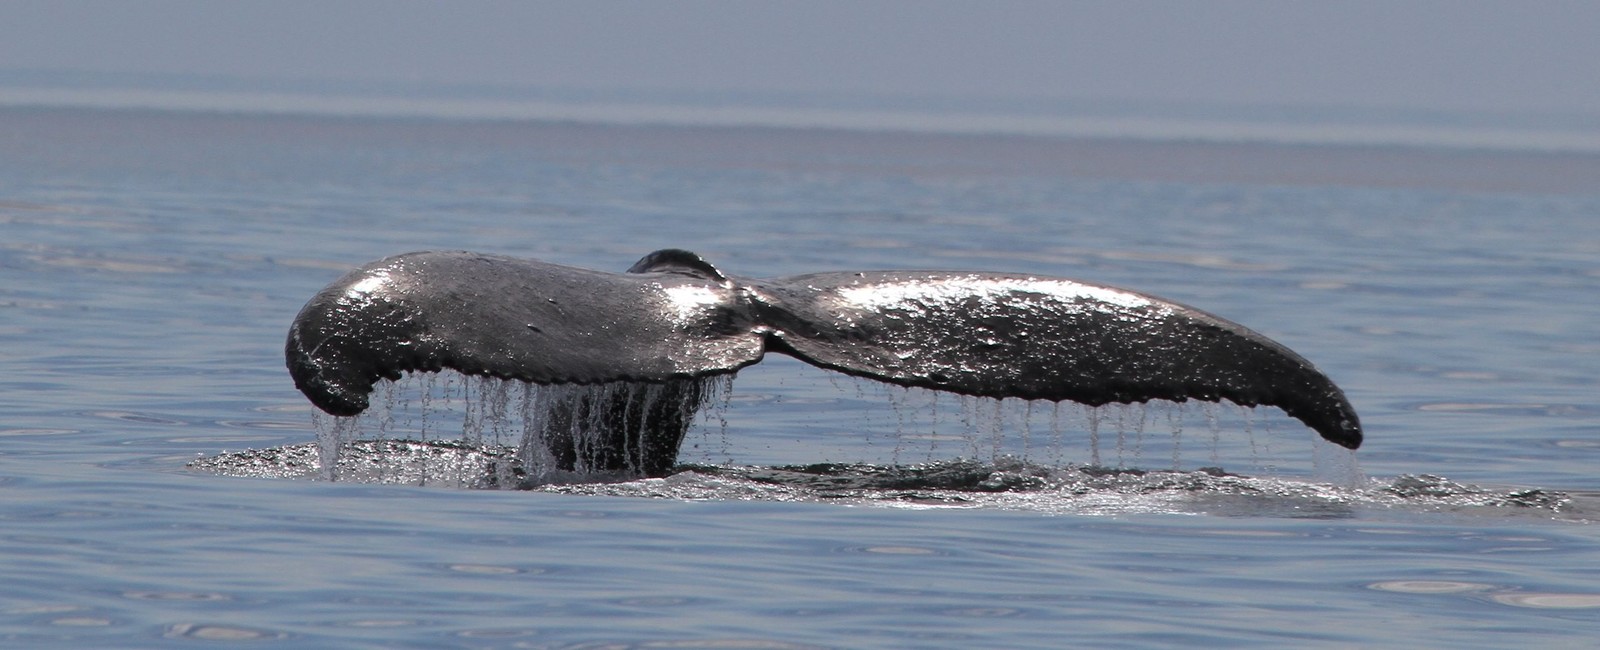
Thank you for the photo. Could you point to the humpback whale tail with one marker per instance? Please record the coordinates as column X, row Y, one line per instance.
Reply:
column 674, row 317
column 999, row 335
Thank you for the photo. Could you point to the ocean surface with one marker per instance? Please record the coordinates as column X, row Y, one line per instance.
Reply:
column 151, row 261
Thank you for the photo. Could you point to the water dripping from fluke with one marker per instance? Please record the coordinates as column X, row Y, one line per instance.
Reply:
column 511, row 433
column 484, row 433
column 489, row 456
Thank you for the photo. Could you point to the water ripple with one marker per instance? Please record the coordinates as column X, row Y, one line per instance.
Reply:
column 227, row 633
column 1007, row 484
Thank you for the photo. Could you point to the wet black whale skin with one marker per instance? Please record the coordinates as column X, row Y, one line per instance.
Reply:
column 673, row 316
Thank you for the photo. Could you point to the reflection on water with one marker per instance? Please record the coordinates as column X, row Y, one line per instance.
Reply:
column 1504, row 595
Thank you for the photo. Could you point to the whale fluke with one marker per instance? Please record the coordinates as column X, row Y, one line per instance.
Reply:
column 999, row 335
column 674, row 317
column 514, row 319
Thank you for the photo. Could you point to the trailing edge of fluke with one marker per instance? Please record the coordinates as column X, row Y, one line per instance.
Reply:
column 674, row 316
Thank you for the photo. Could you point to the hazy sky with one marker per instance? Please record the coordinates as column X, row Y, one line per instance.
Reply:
column 1444, row 54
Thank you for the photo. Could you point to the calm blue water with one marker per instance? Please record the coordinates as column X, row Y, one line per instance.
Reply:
column 150, row 264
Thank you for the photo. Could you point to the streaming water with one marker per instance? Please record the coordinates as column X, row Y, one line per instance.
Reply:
column 518, row 433
column 484, row 432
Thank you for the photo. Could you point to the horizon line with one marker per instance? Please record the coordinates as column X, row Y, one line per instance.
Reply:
column 1560, row 140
